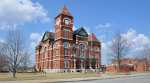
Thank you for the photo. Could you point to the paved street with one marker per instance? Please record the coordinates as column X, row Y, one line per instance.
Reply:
column 139, row 79
column 134, row 78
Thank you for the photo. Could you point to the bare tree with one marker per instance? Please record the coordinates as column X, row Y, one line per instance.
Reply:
column 13, row 49
column 119, row 48
column 3, row 62
column 26, row 61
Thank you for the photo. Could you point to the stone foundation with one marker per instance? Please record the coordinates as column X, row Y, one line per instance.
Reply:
column 68, row 70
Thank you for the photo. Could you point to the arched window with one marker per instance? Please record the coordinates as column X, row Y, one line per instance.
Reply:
column 66, row 44
column 96, row 49
column 45, row 51
column 82, row 49
column 66, row 63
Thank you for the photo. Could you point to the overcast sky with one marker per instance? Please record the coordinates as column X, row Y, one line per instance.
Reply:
column 102, row 17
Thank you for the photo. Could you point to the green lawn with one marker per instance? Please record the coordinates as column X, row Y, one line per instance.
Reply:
column 40, row 76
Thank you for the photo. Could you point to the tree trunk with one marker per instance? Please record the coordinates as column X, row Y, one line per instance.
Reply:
column 14, row 75
column 119, row 65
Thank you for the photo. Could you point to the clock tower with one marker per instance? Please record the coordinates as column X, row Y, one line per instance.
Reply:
column 63, row 23
column 63, row 40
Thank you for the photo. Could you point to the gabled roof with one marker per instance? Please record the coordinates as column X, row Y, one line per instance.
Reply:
column 92, row 37
column 81, row 32
column 48, row 35
column 65, row 11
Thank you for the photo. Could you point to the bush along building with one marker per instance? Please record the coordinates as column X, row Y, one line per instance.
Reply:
column 66, row 50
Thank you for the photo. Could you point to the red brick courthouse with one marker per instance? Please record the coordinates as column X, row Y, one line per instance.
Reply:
column 66, row 50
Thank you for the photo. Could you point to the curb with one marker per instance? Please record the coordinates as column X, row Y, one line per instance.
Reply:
column 95, row 78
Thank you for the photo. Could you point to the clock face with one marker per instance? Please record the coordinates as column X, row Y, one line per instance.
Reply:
column 67, row 21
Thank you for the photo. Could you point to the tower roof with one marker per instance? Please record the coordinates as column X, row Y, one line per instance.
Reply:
column 81, row 31
column 65, row 11
column 48, row 35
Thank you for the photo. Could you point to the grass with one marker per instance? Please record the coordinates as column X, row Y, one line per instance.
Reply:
column 40, row 76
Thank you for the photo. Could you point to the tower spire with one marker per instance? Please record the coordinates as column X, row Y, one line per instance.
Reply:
column 65, row 11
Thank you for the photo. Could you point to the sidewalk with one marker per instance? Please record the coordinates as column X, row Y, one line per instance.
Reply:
column 102, row 77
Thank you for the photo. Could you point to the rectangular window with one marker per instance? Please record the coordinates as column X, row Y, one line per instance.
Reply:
column 66, row 33
column 66, row 63
column 65, row 52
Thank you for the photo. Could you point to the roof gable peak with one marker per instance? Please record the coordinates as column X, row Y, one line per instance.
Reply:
column 81, row 31
column 92, row 37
